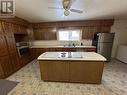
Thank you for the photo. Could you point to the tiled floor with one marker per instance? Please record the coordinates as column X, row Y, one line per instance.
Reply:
column 114, row 82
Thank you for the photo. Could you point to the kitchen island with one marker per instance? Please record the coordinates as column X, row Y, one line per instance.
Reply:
column 83, row 67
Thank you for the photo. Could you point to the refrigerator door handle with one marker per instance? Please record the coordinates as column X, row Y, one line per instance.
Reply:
column 98, row 47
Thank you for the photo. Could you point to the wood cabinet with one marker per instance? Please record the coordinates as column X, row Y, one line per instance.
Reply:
column 71, row 71
column 6, row 65
column 90, row 72
column 23, row 30
column 26, row 58
column 11, row 43
column 7, row 28
column 9, row 59
column 14, row 61
column 89, row 50
column 54, row 71
column 45, row 34
column 1, row 29
column 45, row 30
column 1, row 71
column 88, row 32
column 18, row 29
column 36, row 52
column 3, row 46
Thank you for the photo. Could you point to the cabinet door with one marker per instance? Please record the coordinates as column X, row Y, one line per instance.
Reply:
column 16, row 29
column 6, row 65
column 7, row 28
column 39, row 51
column 45, row 34
column 54, row 70
column 25, row 59
column 3, row 46
column 1, row 71
column 23, row 30
column 90, row 49
column 14, row 61
column 87, row 72
column 88, row 32
column 1, row 29
column 11, row 43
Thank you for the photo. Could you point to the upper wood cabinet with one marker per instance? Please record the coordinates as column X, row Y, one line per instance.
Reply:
column 18, row 29
column 1, row 29
column 88, row 32
column 23, row 30
column 7, row 28
column 45, row 30
column 3, row 46
column 104, row 29
column 11, row 43
column 45, row 34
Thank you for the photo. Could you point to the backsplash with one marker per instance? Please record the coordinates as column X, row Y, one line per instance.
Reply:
column 61, row 43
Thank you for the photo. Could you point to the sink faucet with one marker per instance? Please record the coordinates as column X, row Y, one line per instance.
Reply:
column 74, row 44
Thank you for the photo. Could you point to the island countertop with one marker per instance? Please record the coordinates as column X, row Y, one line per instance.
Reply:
column 83, row 56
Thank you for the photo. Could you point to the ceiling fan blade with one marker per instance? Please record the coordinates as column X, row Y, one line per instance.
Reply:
column 71, row 3
column 54, row 8
column 77, row 11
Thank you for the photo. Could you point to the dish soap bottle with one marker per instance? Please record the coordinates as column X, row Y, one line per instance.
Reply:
column 81, row 44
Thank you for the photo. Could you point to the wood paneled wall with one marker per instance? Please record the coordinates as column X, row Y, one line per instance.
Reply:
column 48, row 30
column 16, row 20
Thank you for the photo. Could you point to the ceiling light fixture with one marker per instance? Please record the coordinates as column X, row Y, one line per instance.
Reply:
column 66, row 12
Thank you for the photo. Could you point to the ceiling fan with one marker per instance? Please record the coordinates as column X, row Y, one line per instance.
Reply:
column 67, row 7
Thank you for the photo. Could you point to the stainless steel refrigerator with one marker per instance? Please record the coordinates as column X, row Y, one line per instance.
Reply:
column 104, row 42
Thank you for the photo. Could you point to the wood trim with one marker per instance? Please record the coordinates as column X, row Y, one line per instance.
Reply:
column 109, row 22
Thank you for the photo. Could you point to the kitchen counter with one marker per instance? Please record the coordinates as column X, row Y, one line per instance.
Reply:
column 82, row 67
column 39, row 46
column 87, row 56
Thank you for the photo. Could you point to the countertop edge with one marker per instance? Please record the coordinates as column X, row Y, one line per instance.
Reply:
column 100, row 58
column 63, row 47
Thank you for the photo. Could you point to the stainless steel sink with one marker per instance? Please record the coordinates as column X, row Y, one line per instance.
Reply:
column 70, row 55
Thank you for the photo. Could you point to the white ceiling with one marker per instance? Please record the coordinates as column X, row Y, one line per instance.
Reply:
column 38, row 11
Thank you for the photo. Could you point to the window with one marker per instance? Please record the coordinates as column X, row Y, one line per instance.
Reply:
column 69, row 35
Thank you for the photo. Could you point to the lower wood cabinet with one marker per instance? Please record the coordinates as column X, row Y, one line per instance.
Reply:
column 6, row 65
column 71, row 71
column 90, row 72
column 54, row 70
column 36, row 52
column 14, row 61
column 1, row 71
column 26, row 58
column 3, row 46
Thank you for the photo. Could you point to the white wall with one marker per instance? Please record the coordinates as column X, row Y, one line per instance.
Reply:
column 120, row 29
